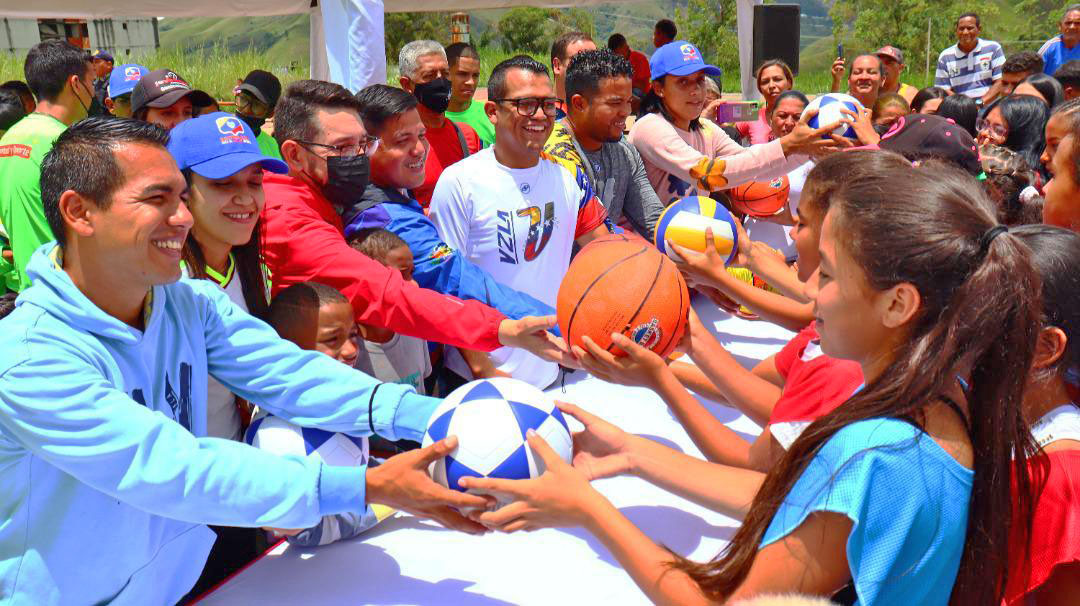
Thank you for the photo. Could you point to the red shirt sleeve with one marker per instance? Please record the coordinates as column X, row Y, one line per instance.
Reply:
column 301, row 245
column 472, row 140
column 786, row 357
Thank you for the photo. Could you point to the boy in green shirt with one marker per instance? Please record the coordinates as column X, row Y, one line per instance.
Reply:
column 62, row 78
column 464, row 76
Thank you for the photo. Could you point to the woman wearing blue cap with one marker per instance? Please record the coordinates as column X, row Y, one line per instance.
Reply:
column 220, row 158
column 686, row 155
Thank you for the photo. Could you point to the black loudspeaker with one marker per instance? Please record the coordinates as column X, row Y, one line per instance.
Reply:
column 776, row 34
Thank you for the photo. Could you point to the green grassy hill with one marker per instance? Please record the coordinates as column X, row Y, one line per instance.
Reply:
column 282, row 41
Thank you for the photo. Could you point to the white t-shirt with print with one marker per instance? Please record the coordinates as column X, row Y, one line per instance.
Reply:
column 519, row 225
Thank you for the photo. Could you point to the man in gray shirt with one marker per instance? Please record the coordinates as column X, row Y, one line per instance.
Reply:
column 598, row 95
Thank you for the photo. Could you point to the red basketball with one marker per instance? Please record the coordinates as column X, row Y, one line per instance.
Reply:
column 622, row 284
column 760, row 198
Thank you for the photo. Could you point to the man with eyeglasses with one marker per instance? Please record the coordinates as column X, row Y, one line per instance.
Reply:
column 513, row 210
column 425, row 72
column 599, row 95
column 256, row 97
column 396, row 167
column 322, row 139
column 122, row 81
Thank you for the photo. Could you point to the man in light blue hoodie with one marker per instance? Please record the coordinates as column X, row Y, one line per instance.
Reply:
column 106, row 482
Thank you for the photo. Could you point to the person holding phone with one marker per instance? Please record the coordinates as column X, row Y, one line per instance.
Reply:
column 773, row 77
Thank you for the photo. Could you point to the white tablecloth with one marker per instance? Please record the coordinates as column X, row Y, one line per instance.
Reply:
column 406, row 560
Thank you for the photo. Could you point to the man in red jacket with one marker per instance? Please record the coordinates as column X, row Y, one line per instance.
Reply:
column 318, row 126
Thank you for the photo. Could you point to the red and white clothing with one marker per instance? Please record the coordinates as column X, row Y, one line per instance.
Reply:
column 814, row 385
column 1055, row 528
column 758, row 131
column 684, row 163
column 445, row 150
column 303, row 239
column 519, row 225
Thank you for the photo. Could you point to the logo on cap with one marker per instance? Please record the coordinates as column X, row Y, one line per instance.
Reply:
column 132, row 74
column 170, row 82
column 233, row 129
column 689, row 53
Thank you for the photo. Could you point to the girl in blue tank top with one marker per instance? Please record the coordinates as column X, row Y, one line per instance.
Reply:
column 899, row 496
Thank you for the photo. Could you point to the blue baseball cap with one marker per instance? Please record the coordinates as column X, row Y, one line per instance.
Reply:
column 123, row 78
column 679, row 58
column 218, row 145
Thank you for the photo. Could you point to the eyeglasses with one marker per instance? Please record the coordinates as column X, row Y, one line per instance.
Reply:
column 526, row 106
column 364, row 148
column 997, row 130
column 251, row 106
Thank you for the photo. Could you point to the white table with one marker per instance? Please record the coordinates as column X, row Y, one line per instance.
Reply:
column 407, row 560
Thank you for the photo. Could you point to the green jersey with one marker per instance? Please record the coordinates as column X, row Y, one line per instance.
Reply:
column 22, row 149
column 475, row 117
column 268, row 145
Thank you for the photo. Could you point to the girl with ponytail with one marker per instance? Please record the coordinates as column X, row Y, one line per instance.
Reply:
column 902, row 491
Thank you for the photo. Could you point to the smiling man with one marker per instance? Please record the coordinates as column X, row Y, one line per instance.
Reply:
column 599, row 92
column 1066, row 45
column 972, row 66
column 103, row 397
column 513, row 210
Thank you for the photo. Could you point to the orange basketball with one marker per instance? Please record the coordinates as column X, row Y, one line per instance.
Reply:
column 761, row 198
column 622, row 284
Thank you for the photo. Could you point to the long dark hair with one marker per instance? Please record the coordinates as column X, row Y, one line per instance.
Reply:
column 1026, row 117
column 926, row 94
column 1055, row 254
column 1048, row 87
column 248, row 267
column 979, row 308
column 961, row 109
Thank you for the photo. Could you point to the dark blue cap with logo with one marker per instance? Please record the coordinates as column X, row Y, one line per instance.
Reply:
column 123, row 78
column 218, row 145
column 679, row 58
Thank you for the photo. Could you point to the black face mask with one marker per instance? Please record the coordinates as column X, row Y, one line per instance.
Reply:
column 434, row 95
column 346, row 179
column 256, row 124
column 96, row 108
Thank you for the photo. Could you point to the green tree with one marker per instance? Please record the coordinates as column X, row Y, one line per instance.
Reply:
column 524, row 29
column 1042, row 17
column 865, row 25
column 402, row 28
column 711, row 26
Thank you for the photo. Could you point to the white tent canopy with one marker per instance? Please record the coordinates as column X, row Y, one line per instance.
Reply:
column 346, row 35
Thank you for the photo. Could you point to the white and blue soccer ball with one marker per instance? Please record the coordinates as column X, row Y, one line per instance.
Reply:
column 490, row 418
column 281, row 437
column 829, row 106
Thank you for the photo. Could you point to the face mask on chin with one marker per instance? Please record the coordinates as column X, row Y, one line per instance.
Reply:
column 96, row 108
column 434, row 95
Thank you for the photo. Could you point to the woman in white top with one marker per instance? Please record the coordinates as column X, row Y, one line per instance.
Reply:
column 220, row 158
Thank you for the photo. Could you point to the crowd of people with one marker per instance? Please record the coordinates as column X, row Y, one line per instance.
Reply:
column 177, row 275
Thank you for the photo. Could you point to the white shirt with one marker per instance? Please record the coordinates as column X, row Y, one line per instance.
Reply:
column 222, row 417
column 519, row 225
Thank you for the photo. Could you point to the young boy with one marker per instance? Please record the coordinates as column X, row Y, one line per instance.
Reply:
column 390, row 356
column 318, row 317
